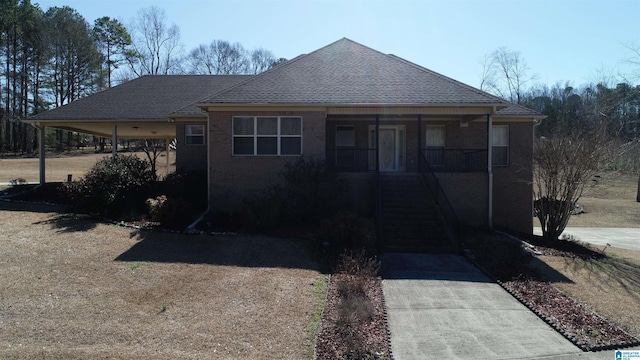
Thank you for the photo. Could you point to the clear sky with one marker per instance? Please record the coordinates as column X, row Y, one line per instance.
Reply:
column 561, row 40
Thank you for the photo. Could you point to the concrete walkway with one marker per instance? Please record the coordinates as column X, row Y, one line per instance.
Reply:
column 625, row 238
column 443, row 307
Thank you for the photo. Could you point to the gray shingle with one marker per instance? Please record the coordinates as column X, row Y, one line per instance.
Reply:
column 346, row 72
column 145, row 98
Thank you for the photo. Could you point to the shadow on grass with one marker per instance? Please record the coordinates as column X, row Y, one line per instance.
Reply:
column 227, row 250
column 69, row 222
column 609, row 270
column 505, row 258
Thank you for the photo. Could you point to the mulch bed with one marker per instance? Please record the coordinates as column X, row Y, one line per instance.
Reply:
column 575, row 321
column 367, row 340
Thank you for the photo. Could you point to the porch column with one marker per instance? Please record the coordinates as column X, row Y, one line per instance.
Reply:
column 490, row 170
column 377, row 143
column 419, row 142
column 41, row 150
column 114, row 141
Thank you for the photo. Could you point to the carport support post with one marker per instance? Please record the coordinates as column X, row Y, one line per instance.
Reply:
column 41, row 149
column 114, row 141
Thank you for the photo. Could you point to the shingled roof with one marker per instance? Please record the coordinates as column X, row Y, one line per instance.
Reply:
column 346, row 72
column 151, row 97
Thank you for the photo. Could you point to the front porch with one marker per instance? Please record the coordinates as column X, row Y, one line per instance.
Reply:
column 439, row 155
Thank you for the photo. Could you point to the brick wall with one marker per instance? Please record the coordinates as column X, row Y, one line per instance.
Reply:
column 512, row 185
column 234, row 178
column 190, row 157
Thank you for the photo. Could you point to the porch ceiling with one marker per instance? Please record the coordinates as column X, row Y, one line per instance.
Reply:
column 125, row 129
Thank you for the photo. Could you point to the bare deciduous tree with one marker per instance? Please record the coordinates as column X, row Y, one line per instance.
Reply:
column 219, row 57
column 505, row 73
column 563, row 166
column 156, row 45
column 261, row 60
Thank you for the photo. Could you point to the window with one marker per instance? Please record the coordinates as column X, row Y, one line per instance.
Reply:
column 345, row 145
column 267, row 135
column 500, row 145
column 194, row 134
column 435, row 137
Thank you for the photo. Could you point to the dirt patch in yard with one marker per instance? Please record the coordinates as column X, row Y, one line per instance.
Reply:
column 73, row 288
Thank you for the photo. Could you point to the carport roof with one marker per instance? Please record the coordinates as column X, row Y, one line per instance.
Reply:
column 141, row 107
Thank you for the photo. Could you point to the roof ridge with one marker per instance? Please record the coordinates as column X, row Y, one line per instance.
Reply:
column 444, row 77
column 264, row 73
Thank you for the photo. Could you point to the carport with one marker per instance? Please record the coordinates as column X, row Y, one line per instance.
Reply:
column 144, row 108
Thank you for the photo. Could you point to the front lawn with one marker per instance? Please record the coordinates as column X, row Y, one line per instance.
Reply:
column 76, row 289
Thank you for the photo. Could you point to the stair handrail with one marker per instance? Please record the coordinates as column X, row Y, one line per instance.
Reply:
column 446, row 209
column 379, row 233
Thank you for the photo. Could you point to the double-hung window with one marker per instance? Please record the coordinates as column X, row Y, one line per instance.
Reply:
column 267, row 135
column 500, row 145
column 194, row 134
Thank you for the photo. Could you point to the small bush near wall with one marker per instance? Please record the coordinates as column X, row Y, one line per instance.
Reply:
column 190, row 186
column 347, row 230
column 310, row 192
column 114, row 186
column 175, row 214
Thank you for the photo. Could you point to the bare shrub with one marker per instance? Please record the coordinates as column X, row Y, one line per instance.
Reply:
column 563, row 165
column 358, row 264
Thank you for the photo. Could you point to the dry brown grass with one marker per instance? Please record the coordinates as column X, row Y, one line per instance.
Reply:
column 609, row 286
column 76, row 163
column 76, row 289
column 610, row 203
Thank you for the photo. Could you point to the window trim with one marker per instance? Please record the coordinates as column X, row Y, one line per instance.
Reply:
column 188, row 133
column 255, row 136
column 494, row 146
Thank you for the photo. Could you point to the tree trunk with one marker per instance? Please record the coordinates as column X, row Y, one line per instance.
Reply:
column 638, row 195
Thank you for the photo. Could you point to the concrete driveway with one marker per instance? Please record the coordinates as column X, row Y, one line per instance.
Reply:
column 625, row 238
column 443, row 307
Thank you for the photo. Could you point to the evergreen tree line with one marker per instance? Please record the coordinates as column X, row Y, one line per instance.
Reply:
column 50, row 58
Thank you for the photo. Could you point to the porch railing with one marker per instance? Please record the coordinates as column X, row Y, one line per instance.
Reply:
column 456, row 160
column 446, row 209
column 440, row 160
column 351, row 159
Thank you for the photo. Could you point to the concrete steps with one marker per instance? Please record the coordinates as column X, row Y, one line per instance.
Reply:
column 411, row 220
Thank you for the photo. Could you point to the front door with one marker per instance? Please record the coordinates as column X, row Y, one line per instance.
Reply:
column 391, row 142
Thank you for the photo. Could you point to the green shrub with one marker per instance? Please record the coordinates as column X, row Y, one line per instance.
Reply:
column 174, row 214
column 190, row 185
column 311, row 191
column 348, row 230
column 263, row 212
column 113, row 186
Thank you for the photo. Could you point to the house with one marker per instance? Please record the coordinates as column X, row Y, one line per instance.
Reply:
column 365, row 113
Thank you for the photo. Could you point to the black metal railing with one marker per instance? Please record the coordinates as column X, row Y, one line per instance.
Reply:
column 446, row 209
column 456, row 160
column 351, row 159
